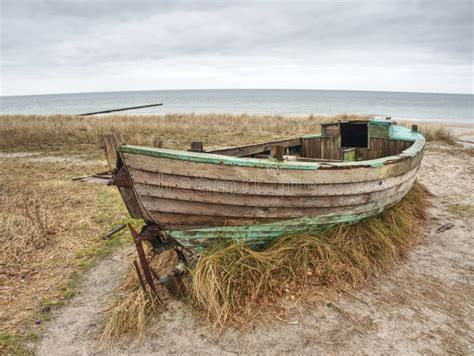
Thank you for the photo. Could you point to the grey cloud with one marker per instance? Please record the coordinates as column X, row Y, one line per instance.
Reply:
column 69, row 34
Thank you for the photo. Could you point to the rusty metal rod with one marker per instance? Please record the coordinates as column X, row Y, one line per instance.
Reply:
column 121, row 109
column 142, row 257
column 140, row 278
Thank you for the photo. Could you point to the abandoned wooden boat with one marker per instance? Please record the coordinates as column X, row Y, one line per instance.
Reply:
column 351, row 171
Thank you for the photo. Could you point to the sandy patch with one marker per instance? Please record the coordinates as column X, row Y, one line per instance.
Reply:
column 19, row 154
column 41, row 158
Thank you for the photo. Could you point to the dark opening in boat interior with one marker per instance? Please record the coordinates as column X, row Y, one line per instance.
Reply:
column 338, row 141
column 354, row 134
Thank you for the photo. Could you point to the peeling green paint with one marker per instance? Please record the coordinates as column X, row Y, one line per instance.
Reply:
column 269, row 231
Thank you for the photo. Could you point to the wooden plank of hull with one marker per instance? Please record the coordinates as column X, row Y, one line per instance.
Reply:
column 266, row 175
column 260, row 200
column 274, row 189
column 231, row 211
column 187, row 214
column 131, row 203
column 193, row 221
column 262, row 233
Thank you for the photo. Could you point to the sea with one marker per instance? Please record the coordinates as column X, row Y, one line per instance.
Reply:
column 398, row 105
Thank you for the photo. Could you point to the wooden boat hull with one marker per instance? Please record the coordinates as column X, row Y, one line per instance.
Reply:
column 198, row 197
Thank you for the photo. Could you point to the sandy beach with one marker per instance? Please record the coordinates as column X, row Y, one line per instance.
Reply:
column 424, row 305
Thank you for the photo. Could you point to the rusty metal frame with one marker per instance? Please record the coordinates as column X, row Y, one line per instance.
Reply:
column 138, row 239
column 160, row 243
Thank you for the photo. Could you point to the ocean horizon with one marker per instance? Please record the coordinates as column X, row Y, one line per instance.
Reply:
column 398, row 105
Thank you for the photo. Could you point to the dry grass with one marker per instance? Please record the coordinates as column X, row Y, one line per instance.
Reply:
column 176, row 130
column 434, row 132
column 438, row 133
column 130, row 307
column 50, row 231
column 128, row 312
column 79, row 134
column 232, row 284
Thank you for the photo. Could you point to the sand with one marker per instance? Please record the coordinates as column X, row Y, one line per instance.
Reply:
column 425, row 305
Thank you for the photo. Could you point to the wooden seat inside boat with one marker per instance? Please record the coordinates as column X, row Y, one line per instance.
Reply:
column 338, row 141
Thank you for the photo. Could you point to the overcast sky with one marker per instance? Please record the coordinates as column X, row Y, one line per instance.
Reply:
column 89, row 46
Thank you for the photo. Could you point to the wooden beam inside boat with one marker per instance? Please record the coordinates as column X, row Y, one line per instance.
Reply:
column 248, row 150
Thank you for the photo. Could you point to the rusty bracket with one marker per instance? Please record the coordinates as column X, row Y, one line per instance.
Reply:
column 160, row 243
column 122, row 178
column 138, row 238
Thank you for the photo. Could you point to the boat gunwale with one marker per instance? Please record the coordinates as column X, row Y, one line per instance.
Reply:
column 398, row 133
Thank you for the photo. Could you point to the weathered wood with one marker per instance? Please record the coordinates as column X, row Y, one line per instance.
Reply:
column 311, row 147
column 330, row 147
column 349, row 154
column 254, row 149
column 362, row 153
column 250, row 210
column 277, row 152
column 131, row 203
column 110, row 143
column 263, row 175
column 330, row 129
column 378, row 147
column 288, row 201
column 122, row 178
column 211, row 216
column 268, row 230
column 306, row 159
column 204, row 185
column 188, row 221
column 381, row 131
column 383, row 147
column 196, row 146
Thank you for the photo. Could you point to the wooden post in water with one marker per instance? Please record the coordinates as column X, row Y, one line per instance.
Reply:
column 121, row 109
